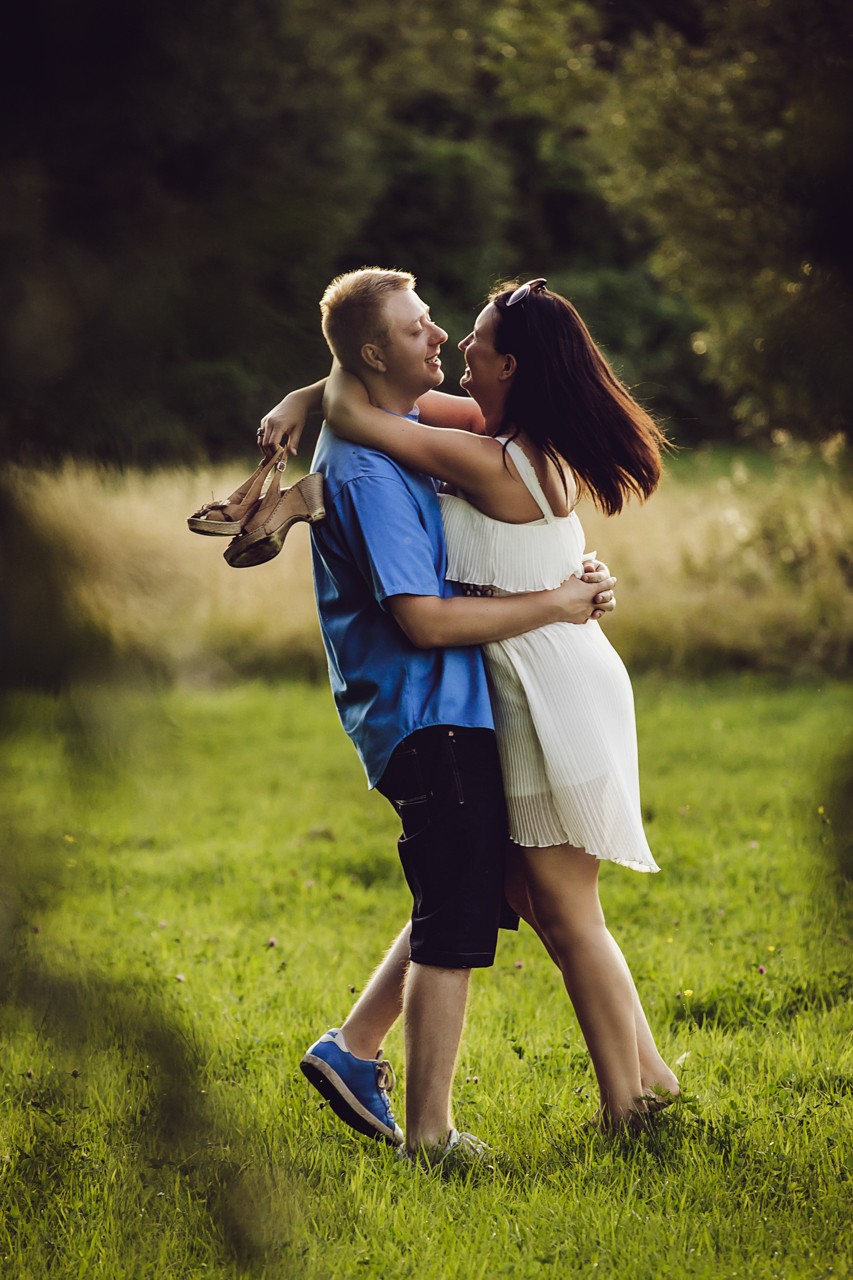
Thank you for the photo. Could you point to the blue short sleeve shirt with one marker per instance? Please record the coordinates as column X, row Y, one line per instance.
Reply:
column 382, row 537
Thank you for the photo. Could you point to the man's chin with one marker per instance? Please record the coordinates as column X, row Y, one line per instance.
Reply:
column 433, row 380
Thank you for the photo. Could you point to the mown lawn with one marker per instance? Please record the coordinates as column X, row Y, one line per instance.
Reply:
column 199, row 880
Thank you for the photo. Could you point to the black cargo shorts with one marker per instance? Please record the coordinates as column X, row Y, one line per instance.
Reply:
column 445, row 784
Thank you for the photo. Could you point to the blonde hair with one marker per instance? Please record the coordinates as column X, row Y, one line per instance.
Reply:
column 352, row 310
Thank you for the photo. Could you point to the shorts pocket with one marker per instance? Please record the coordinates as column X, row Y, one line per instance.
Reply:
column 403, row 784
column 455, row 771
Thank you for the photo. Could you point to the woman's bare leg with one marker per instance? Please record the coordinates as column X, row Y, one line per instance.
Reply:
column 518, row 897
column 562, row 886
column 655, row 1075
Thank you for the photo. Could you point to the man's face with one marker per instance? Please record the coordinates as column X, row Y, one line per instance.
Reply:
column 410, row 354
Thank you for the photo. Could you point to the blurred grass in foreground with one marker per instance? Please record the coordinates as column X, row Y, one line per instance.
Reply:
column 738, row 562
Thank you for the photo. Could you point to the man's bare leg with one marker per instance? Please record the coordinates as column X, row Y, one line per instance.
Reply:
column 343, row 1064
column 381, row 1002
column 434, row 1016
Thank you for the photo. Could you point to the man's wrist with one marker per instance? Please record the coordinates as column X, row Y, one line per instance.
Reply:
column 559, row 613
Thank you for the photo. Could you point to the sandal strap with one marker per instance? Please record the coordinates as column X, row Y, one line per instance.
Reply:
column 276, row 462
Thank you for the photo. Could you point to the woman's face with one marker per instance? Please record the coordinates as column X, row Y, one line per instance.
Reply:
column 483, row 364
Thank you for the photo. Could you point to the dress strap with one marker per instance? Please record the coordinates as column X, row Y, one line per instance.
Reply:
column 528, row 475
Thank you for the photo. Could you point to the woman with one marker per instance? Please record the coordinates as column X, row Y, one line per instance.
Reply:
column 556, row 424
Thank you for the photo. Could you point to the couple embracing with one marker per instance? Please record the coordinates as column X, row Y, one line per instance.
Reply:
column 469, row 670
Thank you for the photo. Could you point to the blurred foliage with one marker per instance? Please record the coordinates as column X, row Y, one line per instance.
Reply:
column 182, row 182
column 735, row 153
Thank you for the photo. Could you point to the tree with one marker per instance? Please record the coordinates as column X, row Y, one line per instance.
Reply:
column 184, row 181
column 734, row 151
column 180, row 180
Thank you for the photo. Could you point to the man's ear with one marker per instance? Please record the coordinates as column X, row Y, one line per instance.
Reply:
column 509, row 364
column 372, row 357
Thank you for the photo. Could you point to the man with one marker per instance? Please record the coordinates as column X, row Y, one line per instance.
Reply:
column 410, row 688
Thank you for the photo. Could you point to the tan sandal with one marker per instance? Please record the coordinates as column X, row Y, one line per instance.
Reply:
column 262, row 535
column 220, row 518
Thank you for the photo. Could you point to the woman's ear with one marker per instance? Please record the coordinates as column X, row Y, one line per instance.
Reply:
column 372, row 357
column 509, row 364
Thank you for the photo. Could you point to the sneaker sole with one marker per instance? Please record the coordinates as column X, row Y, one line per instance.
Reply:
column 344, row 1103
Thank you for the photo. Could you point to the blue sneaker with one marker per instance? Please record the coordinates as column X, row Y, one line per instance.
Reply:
column 356, row 1088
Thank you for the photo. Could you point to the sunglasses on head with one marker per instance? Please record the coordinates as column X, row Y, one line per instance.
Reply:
column 532, row 286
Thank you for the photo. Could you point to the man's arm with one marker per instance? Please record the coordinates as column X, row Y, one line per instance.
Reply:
column 432, row 622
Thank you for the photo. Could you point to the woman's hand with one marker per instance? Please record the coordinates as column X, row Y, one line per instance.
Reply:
column 592, row 566
column 284, row 424
column 596, row 571
column 583, row 599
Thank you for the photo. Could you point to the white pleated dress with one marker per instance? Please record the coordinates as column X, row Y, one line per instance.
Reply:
column 562, row 699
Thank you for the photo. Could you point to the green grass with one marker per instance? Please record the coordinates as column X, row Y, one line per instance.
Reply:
column 210, row 880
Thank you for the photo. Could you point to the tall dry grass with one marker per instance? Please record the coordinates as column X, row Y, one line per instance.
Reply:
column 166, row 596
column 738, row 561
column 735, row 562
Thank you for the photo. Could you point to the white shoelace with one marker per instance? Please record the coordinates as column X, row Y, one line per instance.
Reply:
column 385, row 1078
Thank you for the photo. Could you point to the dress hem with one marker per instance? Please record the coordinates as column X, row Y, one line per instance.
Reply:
column 632, row 863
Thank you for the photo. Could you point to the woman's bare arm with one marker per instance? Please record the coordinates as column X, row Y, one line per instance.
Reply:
column 438, row 409
column 286, row 421
column 471, row 462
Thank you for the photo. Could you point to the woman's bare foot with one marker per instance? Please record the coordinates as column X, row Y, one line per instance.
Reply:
column 630, row 1122
column 662, row 1091
column 655, row 1097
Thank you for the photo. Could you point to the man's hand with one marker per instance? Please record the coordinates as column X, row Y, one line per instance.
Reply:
column 581, row 599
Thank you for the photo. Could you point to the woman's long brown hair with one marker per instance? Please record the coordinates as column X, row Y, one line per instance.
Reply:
column 568, row 401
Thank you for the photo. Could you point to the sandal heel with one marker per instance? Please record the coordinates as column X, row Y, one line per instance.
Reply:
column 263, row 535
column 311, row 489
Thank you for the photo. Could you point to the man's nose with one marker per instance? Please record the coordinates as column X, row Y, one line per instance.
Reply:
column 440, row 336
